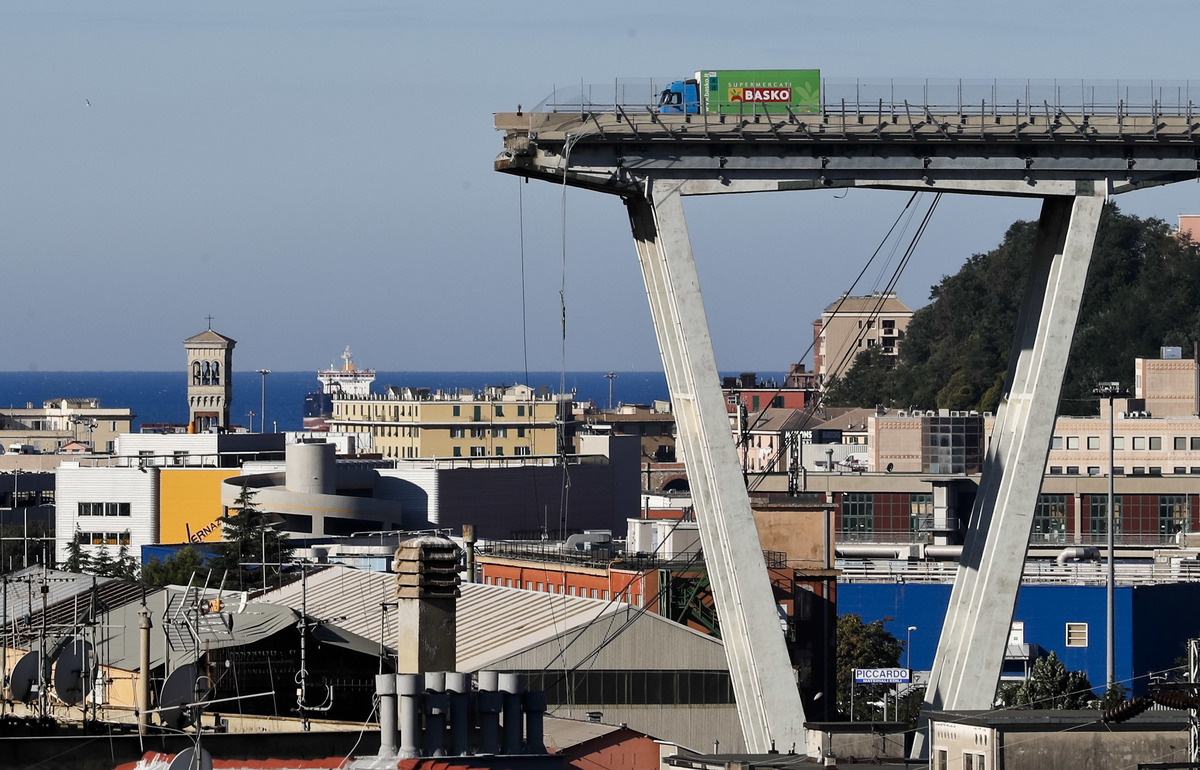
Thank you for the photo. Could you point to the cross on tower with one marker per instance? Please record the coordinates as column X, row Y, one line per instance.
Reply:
column 209, row 319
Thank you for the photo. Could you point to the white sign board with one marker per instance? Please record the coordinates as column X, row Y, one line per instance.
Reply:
column 882, row 675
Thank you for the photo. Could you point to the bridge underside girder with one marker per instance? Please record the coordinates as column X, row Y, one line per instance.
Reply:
column 653, row 163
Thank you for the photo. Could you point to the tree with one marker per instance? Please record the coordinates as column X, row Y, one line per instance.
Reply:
column 176, row 570
column 863, row 645
column 955, row 351
column 1049, row 686
column 78, row 560
column 246, row 530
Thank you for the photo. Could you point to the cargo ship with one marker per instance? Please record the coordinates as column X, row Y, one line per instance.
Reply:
column 347, row 381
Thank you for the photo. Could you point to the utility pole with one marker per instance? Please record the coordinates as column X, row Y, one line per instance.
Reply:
column 1110, row 390
column 610, row 377
column 262, row 413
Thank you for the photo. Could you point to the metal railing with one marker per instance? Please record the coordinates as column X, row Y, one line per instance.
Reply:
column 1035, row 572
column 1116, row 98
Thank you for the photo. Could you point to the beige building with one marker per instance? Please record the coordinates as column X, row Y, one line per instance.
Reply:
column 502, row 421
column 1167, row 386
column 854, row 324
column 62, row 421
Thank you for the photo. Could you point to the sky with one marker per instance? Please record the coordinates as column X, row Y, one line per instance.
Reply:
column 319, row 174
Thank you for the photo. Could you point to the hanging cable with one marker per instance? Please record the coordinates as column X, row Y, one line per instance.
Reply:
column 852, row 348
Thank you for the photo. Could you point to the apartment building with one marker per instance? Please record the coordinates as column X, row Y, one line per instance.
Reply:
column 854, row 324
column 500, row 421
column 62, row 421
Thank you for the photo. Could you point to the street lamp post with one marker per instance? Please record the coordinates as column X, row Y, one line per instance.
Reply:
column 908, row 651
column 1110, row 390
column 262, row 412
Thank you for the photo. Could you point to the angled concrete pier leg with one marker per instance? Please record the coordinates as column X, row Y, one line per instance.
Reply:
column 970, row 652
column 769, row 706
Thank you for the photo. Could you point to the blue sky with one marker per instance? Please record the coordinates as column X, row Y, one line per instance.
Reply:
column 319, row 174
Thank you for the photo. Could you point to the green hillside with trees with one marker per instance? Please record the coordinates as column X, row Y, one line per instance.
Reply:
column 1143, row 293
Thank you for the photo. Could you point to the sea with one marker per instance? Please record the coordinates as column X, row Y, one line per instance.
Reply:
column 161, row 397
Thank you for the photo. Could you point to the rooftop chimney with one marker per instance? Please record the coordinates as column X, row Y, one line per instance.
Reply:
column 426, row 570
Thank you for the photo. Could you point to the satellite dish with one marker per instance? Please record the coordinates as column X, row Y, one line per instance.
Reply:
column 74, row 671
column 191, row 759
column 23, row 682
column 182, row 687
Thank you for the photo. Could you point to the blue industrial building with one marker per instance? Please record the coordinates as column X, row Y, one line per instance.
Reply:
column 1153, row 623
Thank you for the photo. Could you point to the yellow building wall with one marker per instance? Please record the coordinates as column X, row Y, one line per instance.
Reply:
column 190, row 500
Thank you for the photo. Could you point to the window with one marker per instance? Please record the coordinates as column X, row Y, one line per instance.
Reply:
column 1050, row 519
column 499, row 432
column 520, row 410
column 1077, row 634
column 478, row 451
column 1093, row 470
column 920, row 510
column 1118, row 470
column 1181, row 443
column 1055, row 470
column 458, row 432
column 457, row 411
column 1156, row 443
column 1072, row 442
column 1072, row 470
column 968, row 762
column 1118, row 442
column 940, row 759
column 520, row 433
column 1098, row 516
column 1139, row 442
column 477, row 432
column 1056, row 442
column 1093, row 442
column 858, row 516
column 1179, row 470
column 458, row 451
column 521, row 450
column 499, row 410
column 1174, row 515
column 499, row 451
column 1195, row 442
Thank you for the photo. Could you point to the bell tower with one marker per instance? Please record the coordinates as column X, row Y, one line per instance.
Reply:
column 210, row 380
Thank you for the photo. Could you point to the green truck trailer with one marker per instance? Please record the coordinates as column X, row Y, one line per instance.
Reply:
column 740, row 91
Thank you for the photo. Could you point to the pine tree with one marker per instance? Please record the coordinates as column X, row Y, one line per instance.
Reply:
column 126, row 566
column 245, row 530
column 102, row 563
column 78, row 560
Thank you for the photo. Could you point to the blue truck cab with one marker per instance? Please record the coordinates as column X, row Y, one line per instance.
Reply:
column 682, row 96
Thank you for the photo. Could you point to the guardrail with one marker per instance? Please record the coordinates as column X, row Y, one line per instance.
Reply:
column 1115, row 98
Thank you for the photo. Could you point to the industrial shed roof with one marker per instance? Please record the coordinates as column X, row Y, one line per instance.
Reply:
column 494, row 622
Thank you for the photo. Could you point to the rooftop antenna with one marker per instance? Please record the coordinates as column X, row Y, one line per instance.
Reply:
column 610, row 377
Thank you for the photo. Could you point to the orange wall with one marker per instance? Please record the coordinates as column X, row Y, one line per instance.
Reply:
column 633, row 587
column 190, row 499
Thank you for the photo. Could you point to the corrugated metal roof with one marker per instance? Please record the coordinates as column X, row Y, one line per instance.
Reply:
column 493, row 621
column 22, row 592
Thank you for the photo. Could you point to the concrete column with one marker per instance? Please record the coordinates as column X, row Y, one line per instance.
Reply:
column 436, row 706
column 971, row 649
column 511, row 688
column 385, row 687
column 458, row 687
column 769, row 707
column 535, row 713
column 488, row 704
column 409, row 688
